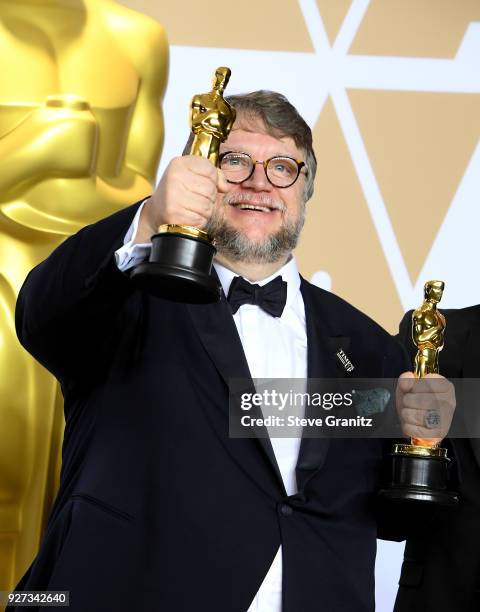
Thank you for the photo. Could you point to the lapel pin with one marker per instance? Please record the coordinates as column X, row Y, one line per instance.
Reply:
column 345, row 361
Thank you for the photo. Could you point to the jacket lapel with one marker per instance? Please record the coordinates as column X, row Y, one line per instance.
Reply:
column 322, row 362
column 218, row 333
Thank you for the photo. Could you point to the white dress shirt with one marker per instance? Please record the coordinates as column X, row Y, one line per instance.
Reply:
column 275, row 347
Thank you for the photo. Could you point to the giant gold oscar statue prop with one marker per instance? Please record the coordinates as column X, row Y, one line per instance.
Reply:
column 181, row 258
column 81, row 132
column 419, row 469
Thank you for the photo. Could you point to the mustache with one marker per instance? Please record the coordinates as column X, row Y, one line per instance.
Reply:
column 254, row 199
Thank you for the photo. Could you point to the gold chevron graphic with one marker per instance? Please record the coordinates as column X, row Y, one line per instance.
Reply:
column 333, row 14
column 413, row 28
column 339, row 236
column 419, row 145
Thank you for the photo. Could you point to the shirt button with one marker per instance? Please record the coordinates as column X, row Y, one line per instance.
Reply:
column 286, row 510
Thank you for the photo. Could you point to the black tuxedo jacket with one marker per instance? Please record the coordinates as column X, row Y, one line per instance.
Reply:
column 441, row 569
column 158, row 508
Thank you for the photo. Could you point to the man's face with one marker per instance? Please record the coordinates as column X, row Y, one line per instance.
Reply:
column 260, row 235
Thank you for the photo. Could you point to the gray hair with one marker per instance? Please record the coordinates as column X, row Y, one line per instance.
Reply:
column 281, row 119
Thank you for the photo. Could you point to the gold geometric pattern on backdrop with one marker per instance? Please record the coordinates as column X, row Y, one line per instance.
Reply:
column 339, row 235
column 275, row 25
column 419, row 145
column 414, row 28
column 333, row 14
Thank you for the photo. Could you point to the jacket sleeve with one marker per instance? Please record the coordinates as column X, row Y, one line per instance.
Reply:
column 69, row 309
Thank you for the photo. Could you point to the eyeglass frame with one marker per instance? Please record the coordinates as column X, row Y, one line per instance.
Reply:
column 300, row 164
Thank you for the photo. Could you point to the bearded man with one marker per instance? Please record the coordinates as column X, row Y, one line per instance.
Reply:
column 159, row 509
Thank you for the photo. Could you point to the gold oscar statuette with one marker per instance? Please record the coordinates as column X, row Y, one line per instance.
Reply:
column 419, row 469
column 181, row 258
column 81, row 133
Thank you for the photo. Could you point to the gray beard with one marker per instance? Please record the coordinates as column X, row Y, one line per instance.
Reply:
column 235, row 245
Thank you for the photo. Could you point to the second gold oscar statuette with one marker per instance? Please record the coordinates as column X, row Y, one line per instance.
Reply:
column 419, row 469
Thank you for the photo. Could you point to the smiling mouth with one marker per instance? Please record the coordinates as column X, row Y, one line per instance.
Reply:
column 265, row 206
column 255, row 207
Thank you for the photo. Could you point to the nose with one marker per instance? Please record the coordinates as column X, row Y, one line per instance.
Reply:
column 258, row 181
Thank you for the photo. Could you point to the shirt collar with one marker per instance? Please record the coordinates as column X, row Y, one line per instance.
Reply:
column 288, row 272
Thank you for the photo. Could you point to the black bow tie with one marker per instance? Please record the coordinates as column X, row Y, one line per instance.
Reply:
column 271, row 298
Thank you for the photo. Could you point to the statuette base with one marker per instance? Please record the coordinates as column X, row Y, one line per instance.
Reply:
column 419, row 474
column 179, row 268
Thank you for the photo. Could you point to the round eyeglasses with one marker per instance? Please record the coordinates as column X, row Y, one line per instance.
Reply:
column 281, row 171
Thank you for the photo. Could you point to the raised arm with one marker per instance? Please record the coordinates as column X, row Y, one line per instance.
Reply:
column 72, row 306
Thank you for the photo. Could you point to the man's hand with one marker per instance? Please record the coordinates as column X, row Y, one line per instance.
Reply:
column 425, row 407
column 186, row 195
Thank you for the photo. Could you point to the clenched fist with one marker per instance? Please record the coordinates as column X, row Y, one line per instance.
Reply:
column 186, row 195
column 425, row 407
